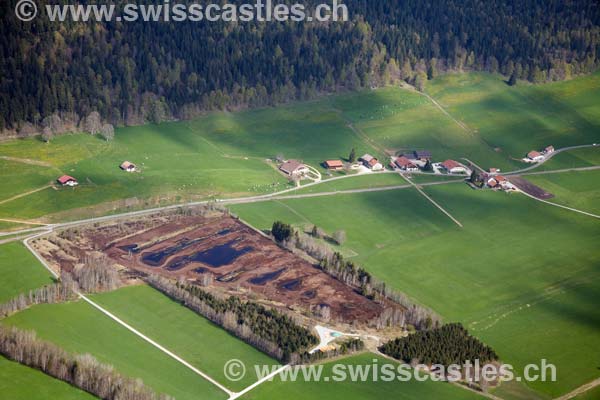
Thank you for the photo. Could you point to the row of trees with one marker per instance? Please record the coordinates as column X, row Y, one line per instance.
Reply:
column 136, row 72
column 82, row 371
column 270, row 331
column 449, row 344
column 61, row 291
column 356, row 276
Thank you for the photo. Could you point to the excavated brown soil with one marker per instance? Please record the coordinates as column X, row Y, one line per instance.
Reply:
column 236, row 255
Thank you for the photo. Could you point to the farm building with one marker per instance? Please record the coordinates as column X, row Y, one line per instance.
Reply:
column 454, row 167
column 334, row 165
column 492, row 182
column 67, row 180
column 371, row 162
column 293, row 168
column 127, row 166
column 405, row 164
column 494, row 171
column 549, row 150
column 422, row 155
column 535, row 156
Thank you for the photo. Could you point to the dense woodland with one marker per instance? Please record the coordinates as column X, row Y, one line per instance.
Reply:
column 270, row 331
column 55, row 76
column 449, row 344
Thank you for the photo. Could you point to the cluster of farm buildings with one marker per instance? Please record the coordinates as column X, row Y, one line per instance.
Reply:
column 67, row 180
column 535, row 156
column 413, row 161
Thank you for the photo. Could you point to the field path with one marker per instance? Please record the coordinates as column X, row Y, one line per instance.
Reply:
column 27, row 161
column 18, row 196
column 457, row 222
column 127, row 326
column 561, row 206
column 580, row 390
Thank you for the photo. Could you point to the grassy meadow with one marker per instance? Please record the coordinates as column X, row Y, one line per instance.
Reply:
column 529, row 295
column 515, row 120
column 348, row 390
column 579, row 189
column 80, row 328
column 225, row 154
column 20, row 271
column 18, row 382
column 194, row 338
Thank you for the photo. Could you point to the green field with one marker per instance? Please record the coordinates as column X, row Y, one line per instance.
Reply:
column 195, row 339
column 515, row 120
column 18, row 382
column 354, row 182
column 587, row 157
column 348, row 390
column 593, row 394
column 529, row 295
column 579, row 190
column 20, row 271
column 80, row 328
column 224, row 154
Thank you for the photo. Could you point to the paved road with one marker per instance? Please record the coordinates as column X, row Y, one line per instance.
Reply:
column 285, row 195
column 549, row 157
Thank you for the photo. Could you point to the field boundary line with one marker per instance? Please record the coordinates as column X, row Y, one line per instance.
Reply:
column 562, row 171
column 234, row 396
column 125, row 325
column 457, row 222
column 561, row 206
column 580, row 390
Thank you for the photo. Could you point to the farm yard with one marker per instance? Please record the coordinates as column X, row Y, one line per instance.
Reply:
column 522, row 276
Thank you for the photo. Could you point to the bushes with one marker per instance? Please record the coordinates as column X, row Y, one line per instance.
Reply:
column 281, row 232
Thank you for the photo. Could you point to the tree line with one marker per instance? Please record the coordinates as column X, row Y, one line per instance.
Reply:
column 272, row 332
column 446, row 345
column 64, row 290
column 56, row 76
column 334, row 264
column 82, row 371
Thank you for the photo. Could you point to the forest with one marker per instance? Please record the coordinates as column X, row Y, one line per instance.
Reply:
column 57, row 76
column 449, row 344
